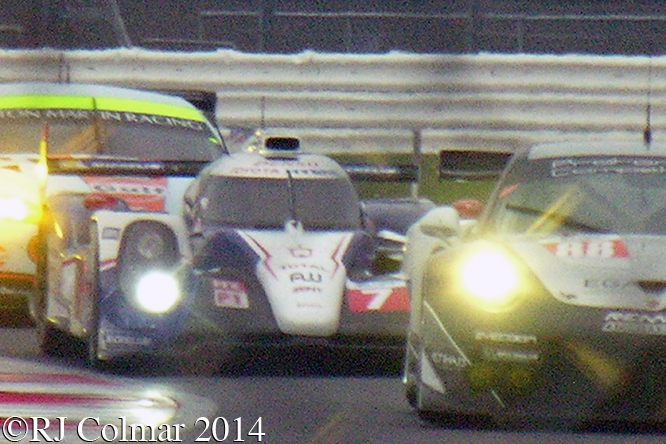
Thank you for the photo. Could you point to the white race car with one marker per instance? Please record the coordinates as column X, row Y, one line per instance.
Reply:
column 110, row 258
column 283, row 252
column 553, row 304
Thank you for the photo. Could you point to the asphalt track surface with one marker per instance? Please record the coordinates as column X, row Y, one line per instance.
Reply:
column 312, row 396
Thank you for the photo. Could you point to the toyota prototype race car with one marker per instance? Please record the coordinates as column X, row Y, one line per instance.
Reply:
column 285, row 254
column 553, row 304
column 108, row 167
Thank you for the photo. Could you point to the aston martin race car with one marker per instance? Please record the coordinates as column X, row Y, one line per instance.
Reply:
column 553, row 304
column 108, row 167
column 284, row 253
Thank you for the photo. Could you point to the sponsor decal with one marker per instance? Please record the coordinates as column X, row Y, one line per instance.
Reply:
column 607, row 165
column 268, row 171
column 305, row 277
column 152, row 120
column 124, row 339
column 295, row 163
column 230, row 294
column 639, row 323
column 300, row 251
column 510, row 355
column 302, row 267
column 382, row 298
column 106, row 115
column 306, row 289
column 593, row 249
column 446, row 360
column 111, row 233
column 140, row 193
column 511, row 338
column 298, row 168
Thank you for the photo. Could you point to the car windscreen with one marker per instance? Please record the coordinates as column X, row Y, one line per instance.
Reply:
column 267, row 203
column 132, row 135
column 615, row 195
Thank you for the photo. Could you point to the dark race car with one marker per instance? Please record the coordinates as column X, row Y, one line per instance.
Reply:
column 553, row 304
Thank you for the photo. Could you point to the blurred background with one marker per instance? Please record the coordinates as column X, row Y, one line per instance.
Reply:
column 634, row 27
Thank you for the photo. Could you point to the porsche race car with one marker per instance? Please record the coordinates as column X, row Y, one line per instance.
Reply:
column 108, row 167
column 285, row 253
column 553, row 304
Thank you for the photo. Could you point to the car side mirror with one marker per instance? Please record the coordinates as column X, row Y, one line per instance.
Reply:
column 468, row 208
column 440, row 222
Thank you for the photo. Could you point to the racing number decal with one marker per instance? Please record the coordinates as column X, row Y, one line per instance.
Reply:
column 391, row 298
column 230, row 294
column 597, row 249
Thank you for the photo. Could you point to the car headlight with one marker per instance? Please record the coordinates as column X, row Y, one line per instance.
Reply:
column 490, row 278
column 19, row 210
column 147, row 261
column 157, row 292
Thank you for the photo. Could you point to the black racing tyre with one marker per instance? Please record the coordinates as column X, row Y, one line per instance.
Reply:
column 411, row 393
column 52, row 341
column 92, row 349
column 431, row 411
column 423, row 397
column 411, row 376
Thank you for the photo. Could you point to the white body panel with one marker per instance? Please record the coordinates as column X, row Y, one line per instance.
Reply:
column 303, row 277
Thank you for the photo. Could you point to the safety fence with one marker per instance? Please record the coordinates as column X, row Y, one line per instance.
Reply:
column 389, row 102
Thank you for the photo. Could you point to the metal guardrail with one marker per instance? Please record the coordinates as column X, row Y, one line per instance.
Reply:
column 338, row 102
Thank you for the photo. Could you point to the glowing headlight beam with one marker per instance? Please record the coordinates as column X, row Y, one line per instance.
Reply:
column 490, row 277
column 14, row 209
column 157, row 292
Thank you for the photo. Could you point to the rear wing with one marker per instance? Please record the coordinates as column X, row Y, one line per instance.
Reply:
column 204, row 101
column 286, row 146
column 381, row 173
column 86, row 165
column 472, row 165
column 123, row 167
